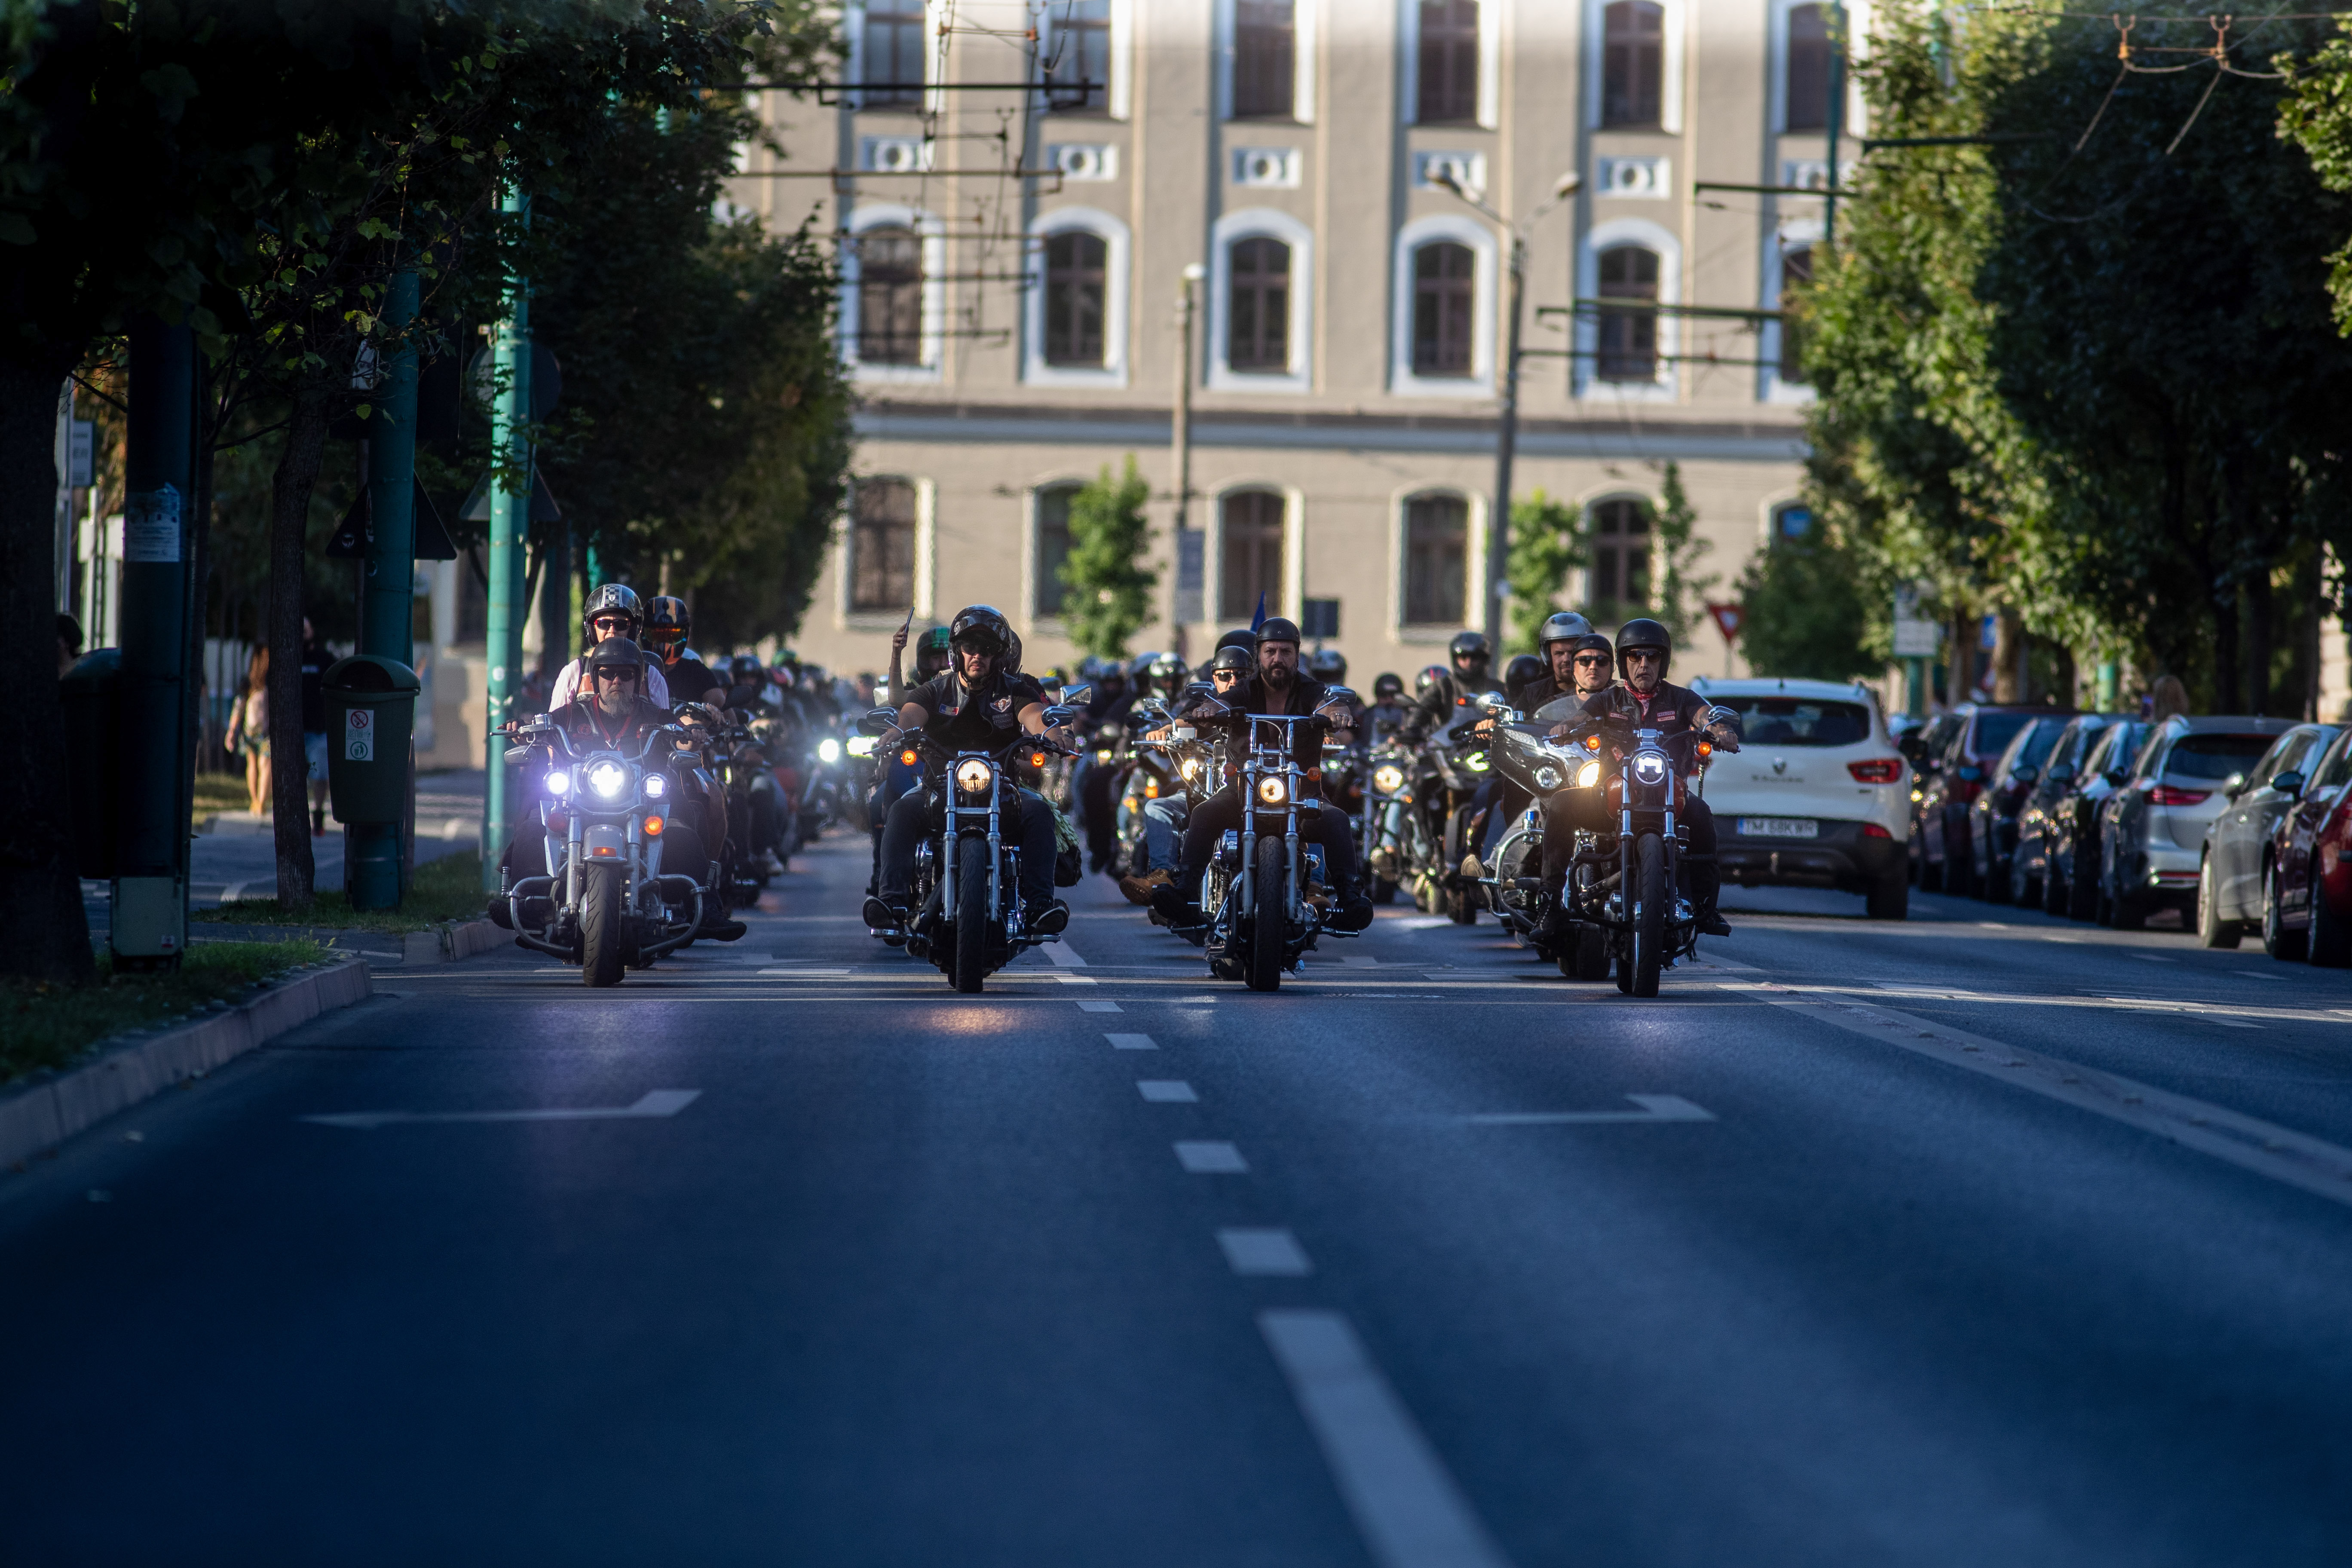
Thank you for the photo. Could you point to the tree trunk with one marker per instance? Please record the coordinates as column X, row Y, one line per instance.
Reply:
column 2008, row 657
column 2226, row 634
column 43, row 932
column 289, row 517
column 2258, row 641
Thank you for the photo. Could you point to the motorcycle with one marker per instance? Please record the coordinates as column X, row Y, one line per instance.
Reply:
column 1636, row 901
column 1524, row 755
column 1394, row 843
column 605, row 904
column 1261, row 916
column 1457, row 757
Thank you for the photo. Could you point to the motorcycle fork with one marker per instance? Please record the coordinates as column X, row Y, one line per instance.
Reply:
column 995, row 847
column 572, row 846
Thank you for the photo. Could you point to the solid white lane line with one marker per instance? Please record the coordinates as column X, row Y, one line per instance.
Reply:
column 795, row 974
column 1654, row 1107
column 1061, row 953
column 1408, row 1508
column 653, row 1102
column 1271, row 1252
column 1089, row 1006
column 2262, row 1147
column 1131, row 1042
column 1076, row 979
column 1211, row 1159
column 1166, row 1091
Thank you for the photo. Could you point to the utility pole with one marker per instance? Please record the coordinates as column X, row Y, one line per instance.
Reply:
column 1836, row 125
column 147, row 924
column 388, row 574
column 509, row 506
column 1506, row 442
column 1185, row 549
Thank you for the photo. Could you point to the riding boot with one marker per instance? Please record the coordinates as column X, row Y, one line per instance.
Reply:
column 1355, row 906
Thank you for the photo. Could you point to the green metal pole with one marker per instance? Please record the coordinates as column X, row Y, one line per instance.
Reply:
column 388, row 573
column 509, row 536
column 148, row 921
column 1836, row 126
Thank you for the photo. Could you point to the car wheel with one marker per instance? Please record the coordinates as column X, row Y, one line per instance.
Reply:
column 2329, row 938
column 2082, row 889
column 1931, row 872
column 2286, row 946
column 2213, row 930
column 1957, row 864
column 1889, row 898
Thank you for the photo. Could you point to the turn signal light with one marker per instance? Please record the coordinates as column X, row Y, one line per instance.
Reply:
column 1591, row 742
column 1877, row 770
column 2166, row 794
column 1036, row 759
column 1151, row 789
column 908, row 756
column 1706, row 749
column 654, row 826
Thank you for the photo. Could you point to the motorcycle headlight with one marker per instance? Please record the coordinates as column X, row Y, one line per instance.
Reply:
column 656, row 787
column 1588, row 775
column 1192, row 767
column 1273, row 789
column 559, row 783
column 828, row 750
column 1476, row 764
column 1650, row 768
column 861, row 745
column 608, row 779
column 1550, row 778
column 1388, row 778
column 973, row 776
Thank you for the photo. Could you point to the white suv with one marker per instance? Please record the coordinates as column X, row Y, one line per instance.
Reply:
column 1817, row 796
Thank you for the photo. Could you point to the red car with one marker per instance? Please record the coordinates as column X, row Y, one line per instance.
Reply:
column 2307, row 876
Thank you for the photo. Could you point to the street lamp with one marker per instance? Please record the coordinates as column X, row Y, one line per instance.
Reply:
column 1186, row 550
column 1506, row 440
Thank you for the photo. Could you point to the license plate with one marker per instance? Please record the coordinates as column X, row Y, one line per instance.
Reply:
column 1778, row 828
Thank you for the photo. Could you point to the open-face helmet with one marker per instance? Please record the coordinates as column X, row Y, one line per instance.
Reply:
column 982, row 629
column 1328, row 665
column 1564, row 627
column 1471, row 648
column 612, row 598
column 1387, row 684
column 1641, row 632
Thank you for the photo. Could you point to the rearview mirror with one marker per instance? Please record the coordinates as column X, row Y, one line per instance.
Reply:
column 877, row 719
column 2116, row 777
column 2289, row 782
column 1059, row 714
column 2025, row 776
column 1079, row 696
column 2061, row 772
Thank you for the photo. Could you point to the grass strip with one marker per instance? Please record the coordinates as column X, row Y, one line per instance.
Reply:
column 449, row 888
column 48, row 1025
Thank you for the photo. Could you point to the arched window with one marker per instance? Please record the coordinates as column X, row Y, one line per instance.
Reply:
column 882, row 545
column 889, row 297
column 1444, row 297
column 1796, row 271
column 1258, row 306
column 1053, row 548
column 1806, row 82
column 1629, row 336
column 1075, row 276
column 1266, row 54
column 1448, row 66
column 1633, row 53
column 1621, row 559
column 1249, row 550
column 1436, row 560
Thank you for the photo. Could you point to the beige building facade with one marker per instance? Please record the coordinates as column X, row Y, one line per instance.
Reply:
column 1016, row 263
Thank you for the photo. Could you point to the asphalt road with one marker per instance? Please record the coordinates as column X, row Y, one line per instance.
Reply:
column 1979, row 1239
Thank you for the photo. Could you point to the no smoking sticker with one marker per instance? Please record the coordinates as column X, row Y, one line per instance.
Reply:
column 359, row 738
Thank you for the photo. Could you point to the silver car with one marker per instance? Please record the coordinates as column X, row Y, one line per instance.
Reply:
column 2152, row 830
column 2230, row 877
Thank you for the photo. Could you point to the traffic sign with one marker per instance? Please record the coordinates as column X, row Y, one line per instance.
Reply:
column 1726, row 619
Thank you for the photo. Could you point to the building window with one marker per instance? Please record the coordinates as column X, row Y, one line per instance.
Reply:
column 1806, row 85
column 1436, row 560
column 1053, row 548
column 1266, row 57
column 889, row 297
column 1075, row 273
column 882, row 545
column 1632, row 46
column 1620, row 558
column 1448, row 62
column 893, row 52
column 1629, row 338
column 1257, row 306
column 1444, row 291
column 1081, row 53
column 1796, row 271
column 1249, row 550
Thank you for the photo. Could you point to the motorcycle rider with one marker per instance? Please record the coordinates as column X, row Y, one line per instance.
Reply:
column 1093, row 782
column 611, row 611
column 667, row 624
column 1470, row 654
column 1328, row 665
column 980, row 703
column 1277, row 687
column 1646, row 700
column 1389, row 709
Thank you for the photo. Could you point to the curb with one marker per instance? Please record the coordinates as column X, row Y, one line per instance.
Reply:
column 42, row 1115
column 448, row 943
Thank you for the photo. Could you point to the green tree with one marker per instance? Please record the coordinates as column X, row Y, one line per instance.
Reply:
column 1679, row 592
column 1110, row 586
column 1804, row 613
column 1546, row 546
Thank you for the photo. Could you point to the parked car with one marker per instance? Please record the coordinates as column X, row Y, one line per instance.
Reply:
column 1952, row 784
column 2152, row 830
column 2037, row 818
column 1817, row 794
column 2307, row 898
column 2069, row 860
column 2237, row 858
column 1992, row 815
column 1923, row 747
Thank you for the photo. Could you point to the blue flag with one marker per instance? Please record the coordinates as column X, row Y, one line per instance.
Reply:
column 1258, row 620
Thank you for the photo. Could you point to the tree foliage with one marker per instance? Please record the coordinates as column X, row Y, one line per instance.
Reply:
column 1803, row 612
column 1109, row 596
column 1679, row 592
column 1547, row 544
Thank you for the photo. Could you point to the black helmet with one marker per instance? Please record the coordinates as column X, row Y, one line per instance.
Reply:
column 1643, row 633
column 1593, row 642
column 1428, row 677
column 980, row 627
column 1523, row 671
column 1471, row 646
column 1387, row 684
column 1276, row 629
column 1237, row 659
column 1139, row 668
column 667, row 620
column 1328, row 665
column 932, row 643
column 745, row 668
column 611, row 597
column 612, row 653
column 1238, row 638
column 1561, row 628
column 1171, row 671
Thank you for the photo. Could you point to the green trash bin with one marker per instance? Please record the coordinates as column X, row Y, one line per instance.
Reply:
column 371, row 712
column 95, row 767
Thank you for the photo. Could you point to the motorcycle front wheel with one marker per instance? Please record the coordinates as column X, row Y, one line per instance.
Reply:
column 971, row 914
column 602, row 940
column 1267, row 916
column 1649, row 913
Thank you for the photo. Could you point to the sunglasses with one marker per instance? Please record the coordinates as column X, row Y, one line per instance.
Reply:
column 611, row 623
column 622, row 677
column 1600, row 658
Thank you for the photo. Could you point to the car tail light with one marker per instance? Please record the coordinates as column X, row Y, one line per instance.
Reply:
column 1878, row 770
column 1871, row 830
column 2166, row 794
